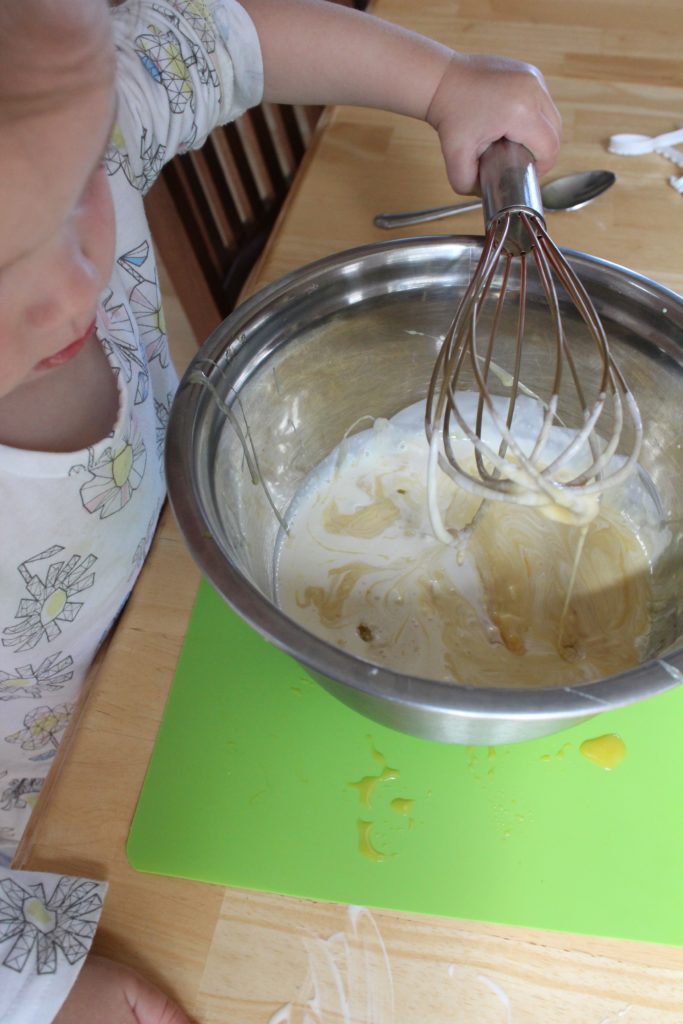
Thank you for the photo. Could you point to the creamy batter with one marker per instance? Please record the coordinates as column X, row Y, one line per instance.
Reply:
column 362, row 568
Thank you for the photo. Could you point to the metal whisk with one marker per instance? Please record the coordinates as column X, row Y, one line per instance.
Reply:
column 601, row 448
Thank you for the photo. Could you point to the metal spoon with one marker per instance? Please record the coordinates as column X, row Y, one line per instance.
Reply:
column 568, row 193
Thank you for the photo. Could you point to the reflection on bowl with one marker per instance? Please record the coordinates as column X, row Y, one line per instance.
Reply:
column 356, row 335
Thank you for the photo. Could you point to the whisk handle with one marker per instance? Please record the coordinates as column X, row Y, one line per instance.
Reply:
column 508, row 182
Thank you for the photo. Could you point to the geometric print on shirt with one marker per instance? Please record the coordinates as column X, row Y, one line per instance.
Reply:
column 43, row 728
column 163, row 411
column 20, row 793
column 30, row 920
column 27, row 681
column 152, row 154
column 51, row 598
column 145, row 302
column 161, row 55
column 195, row 14
column 115, row 474
column 120, row 345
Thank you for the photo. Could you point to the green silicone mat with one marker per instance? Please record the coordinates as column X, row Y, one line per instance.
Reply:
column 256, row 781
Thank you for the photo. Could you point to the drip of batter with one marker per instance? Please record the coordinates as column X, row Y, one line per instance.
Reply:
column 516, row 598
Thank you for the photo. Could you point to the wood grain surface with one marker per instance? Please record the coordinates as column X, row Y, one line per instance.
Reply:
column 231, row 956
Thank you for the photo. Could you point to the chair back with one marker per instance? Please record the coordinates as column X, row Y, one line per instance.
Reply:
column 211, row 210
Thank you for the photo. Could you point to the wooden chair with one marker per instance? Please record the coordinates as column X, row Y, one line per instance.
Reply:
column 212, row 210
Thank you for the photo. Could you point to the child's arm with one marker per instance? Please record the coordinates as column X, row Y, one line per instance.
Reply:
column 319, row 52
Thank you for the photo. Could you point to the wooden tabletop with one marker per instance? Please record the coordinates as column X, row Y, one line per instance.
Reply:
column 227, row 955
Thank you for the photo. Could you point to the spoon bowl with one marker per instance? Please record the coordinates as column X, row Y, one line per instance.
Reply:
column 570, row 192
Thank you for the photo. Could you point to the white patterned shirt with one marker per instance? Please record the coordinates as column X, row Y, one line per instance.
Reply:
column 76, row 526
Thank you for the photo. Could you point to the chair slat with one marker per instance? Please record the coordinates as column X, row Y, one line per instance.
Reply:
column 268, row 151
column 212, row 210
column 244, row 169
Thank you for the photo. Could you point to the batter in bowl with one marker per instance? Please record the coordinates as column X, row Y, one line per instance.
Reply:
column 507, row 603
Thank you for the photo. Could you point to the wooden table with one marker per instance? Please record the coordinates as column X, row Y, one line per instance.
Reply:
column 227, row 955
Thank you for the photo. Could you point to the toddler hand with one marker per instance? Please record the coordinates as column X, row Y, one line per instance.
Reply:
column 481, row 99
column 110, row 993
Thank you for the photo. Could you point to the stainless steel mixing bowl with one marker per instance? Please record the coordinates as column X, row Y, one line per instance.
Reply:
column 356, row 334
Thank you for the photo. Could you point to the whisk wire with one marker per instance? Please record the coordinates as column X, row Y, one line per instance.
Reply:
column 516, row 471
column 483, row 472
column 450, row 355
column 612, row 381
column 505, row 478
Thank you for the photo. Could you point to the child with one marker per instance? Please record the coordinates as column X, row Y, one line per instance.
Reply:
column 92, row 103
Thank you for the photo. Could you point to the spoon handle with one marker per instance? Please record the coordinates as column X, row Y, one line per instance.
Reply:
column 402, row 220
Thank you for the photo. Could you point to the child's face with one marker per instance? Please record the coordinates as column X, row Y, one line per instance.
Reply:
column 57, row 225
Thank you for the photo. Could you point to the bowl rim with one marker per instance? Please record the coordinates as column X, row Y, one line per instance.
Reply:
column 422, row 695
